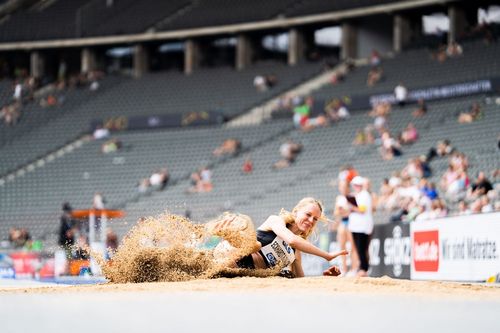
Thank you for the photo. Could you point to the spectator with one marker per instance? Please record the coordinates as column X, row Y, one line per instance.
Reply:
column 359, row 138
column 421, row 109
column 159, row 179
column 454, row 50
column 201, row 181
column 302, row 119
column 19, row 238
column 98, row 201
column 111, row 146
column 230, row 146
column 101, row 133
column 336, row 111
column 375, row 58
column 390, row 147
column 463, row 209
column 385, row 193
column 260, row 83
column 474, row 114
column 288, row 151
column 18, row 92
column 347, row 173
column 480, row 187
column 374, row 76
column 401, row 94
column 443, row 148
column 409, row 135
column 247, row 165
column 143, row 186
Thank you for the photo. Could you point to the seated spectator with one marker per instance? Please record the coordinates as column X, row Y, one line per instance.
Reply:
column 375, row 58
column 421, row 109
column 336, row 111
column 409, row 135
column 247, row 166
column 454, row 50
column 438, row 210
column 429, row 189
column 159, row 179
column 230, row 146
column 440, row 55
column 271, row 80
column 288, row 151
column 480, row 186
column 474, row 114
column 374, row 76
column 143, row 186
column 260, row 83
column 302, row 119
column 347, row 173
column 463, row 208
column 98, row 201
column 101, row 133
column 111, row 146
column 454, row 182
column 443, row 148
column 413, row 169
column 382, row 109
column 201, row 181
column 384, row 194
column 11, row 114
column 390, row 147
column 359, row 138
column 401, row 94
column 19, row 238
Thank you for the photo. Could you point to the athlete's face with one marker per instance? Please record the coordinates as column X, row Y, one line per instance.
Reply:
column 307, row 216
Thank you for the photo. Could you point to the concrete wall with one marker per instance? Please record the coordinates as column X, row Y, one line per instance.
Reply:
column 375, row 33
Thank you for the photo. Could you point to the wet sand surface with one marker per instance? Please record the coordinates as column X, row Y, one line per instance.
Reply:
column 250, row 304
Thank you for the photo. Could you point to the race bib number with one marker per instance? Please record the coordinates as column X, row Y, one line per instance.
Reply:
column 278, row 251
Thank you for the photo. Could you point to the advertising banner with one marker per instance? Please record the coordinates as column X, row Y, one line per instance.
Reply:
column 460, row 248
column 389, row 251
column 25, row 263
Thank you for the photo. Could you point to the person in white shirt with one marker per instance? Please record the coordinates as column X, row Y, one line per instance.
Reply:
column 401, row 94
column 361, row 222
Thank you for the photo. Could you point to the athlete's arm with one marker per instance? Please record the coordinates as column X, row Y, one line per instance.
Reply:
column 297, row 265
column 278, row 226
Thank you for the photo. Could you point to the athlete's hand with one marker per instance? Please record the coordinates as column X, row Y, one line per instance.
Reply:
column 334, row 255
column 223, row 224
column 332, row 271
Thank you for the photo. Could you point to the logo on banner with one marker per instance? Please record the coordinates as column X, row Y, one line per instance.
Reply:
column 397, row 251
column 426, row 251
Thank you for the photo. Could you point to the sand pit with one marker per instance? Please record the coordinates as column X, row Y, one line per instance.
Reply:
column 277, row 285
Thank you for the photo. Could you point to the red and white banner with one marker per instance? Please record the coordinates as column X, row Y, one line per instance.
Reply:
column 460, row 248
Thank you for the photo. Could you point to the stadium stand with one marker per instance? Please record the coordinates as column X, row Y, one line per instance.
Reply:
column 32, row 197
column 125, row 17
column 223, row 89
column 42, row 22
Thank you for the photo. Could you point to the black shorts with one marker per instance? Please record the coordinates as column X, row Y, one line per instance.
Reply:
column 246, row 262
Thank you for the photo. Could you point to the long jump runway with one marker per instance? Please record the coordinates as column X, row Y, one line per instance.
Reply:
column 318, row 304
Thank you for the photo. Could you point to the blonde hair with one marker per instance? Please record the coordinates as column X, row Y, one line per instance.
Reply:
column 289, row 217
